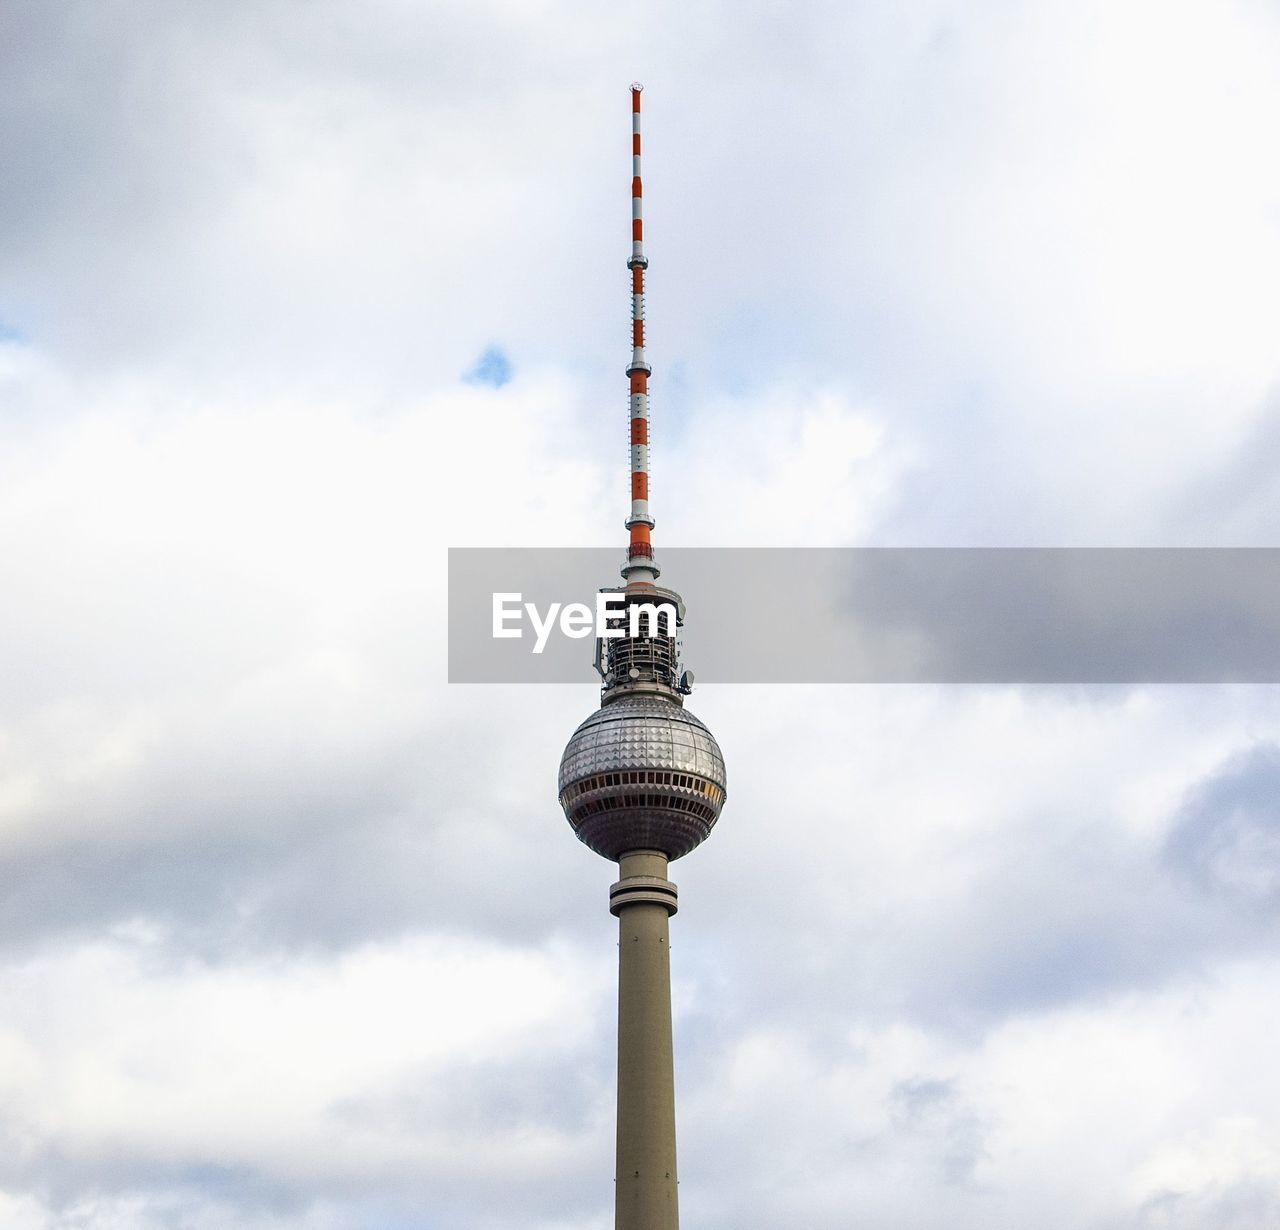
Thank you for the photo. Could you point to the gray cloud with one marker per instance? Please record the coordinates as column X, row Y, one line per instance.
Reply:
column 1237, row 496
column 312, row 845
column 1064, row 907
column 1227, row 837
column 1229, row 1206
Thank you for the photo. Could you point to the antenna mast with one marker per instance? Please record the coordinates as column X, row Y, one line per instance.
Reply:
column 639, row 570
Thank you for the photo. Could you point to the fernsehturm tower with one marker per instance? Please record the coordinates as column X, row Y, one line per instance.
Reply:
column 642, row 782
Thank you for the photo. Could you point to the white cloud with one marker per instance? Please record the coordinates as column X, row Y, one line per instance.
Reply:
column 326, row 1073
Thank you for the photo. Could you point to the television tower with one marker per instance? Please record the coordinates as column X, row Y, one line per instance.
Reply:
column 642, row 782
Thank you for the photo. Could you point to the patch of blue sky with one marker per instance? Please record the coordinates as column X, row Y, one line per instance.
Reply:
column 493, row 368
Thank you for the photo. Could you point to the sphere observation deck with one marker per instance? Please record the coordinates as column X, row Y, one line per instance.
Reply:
column 642, row 773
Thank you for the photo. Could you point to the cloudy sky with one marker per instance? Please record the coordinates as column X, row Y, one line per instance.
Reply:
column 296, row 295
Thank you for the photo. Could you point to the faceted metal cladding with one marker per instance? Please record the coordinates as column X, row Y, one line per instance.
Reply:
column 642, row 773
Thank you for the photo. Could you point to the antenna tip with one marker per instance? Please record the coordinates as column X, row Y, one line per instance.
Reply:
column 636, row 87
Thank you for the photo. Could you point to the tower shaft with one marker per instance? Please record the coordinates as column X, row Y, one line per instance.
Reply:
column 643, row 899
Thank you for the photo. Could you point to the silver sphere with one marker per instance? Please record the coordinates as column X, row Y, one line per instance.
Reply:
column 642, row 773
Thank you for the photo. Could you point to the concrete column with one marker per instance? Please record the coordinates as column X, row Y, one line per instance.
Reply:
column 643, row 899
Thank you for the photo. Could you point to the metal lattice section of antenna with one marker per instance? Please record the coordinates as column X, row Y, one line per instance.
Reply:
column 640, row 568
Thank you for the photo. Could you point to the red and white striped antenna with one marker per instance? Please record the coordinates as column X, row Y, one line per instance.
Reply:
column 639, row 570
